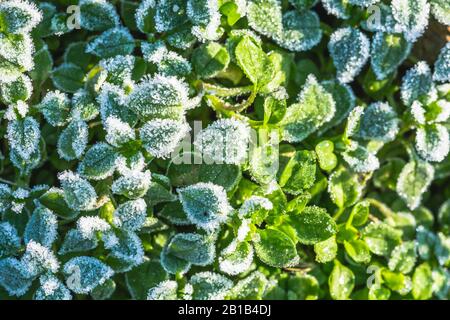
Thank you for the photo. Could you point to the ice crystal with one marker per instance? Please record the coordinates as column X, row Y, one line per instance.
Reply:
column 379, row 121
column 416, row 83
column 88, row 226
column 19, row 16
column 51, row 288
column 411, row 17
column 118, row 132
column 433, row 142
column 38, row 259
column 442, row 65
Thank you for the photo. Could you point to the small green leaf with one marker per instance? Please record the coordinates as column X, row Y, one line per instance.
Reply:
column 313, row 225
column 275, row 248
column 341, row 281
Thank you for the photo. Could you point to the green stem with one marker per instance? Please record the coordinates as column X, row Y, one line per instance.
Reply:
column 384, row 209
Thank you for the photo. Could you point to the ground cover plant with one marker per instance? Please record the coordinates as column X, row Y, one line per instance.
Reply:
column 224, row 149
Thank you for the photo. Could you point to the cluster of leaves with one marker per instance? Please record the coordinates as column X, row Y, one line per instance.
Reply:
column 345, row 195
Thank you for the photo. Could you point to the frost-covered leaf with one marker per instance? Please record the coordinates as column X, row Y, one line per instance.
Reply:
column 275, row 248
column 73, row 140
column 99, row 162
column 315, row 108
column 42, row 227
column 118, row 132
column 23, row 136
column 38, row 259
column 441, row 11
column 416, row 83
column 251, row 287
column 225, row 175
column 388, row 51
column 126, row 252
column 9, row 240
column 54, row 200
column 74, row 241
column 236, row 258
column 84, row 105
column 144, row 277
column 55, row 107
column 403, row 258
column 349, row 49
column 299, row 174
column 341, row 281
column 313, row 225
column 205, row 204
column 78, row 192
column 133, row 184
column 433, row 142
column 192, row 247
column 104, row 291
column 19, row 16
column 361, row 160
column 363, row 3
column 379, row 122
column 113, row 42
column 224, row 141
column 411, row 17
column 68, row 77
column 265, row 16
column 338, row 8
column 170, row 14
column 14, row 277
column 165, row 290
column 51, row 288
column 209, row 59
column 159, row 97
column 113, row 102
column 130, row 215
column 83, row 274
column 160, row 137
column 442, row 65
column 88, row 226
column 414, row 181
column 173, row 264
column 119, row 68
column 381, row 238
column 14, row 91
column 345, row 101
column 98, row 15
column 209, row 286
column 301, row 31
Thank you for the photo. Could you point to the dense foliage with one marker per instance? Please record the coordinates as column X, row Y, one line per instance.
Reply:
column 320, row 171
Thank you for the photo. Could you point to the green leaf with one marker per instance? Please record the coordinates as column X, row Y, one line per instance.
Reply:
column 264, row 16
column 249, row 288
column 99, row 162
column 381, row 238
column 98, row 15
column 360, row 214
column 54, row 200
column 341, row 281
column 388, row 51
column 300, row 173
column 275, row 248
column 113, row 42
column 413, row 181
column 422, row 284
column 344, row 188
column 313, row 225
column 143, row 277
column 209, row 59
column 68, row 77
column 315, row 108
column 358, row 251
column 254, row 62
column 403, row 257
column 326, row 250
column 303, row 287
column 301, row 31
column 210, row 286
column 225, row 175
column 433, row 142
